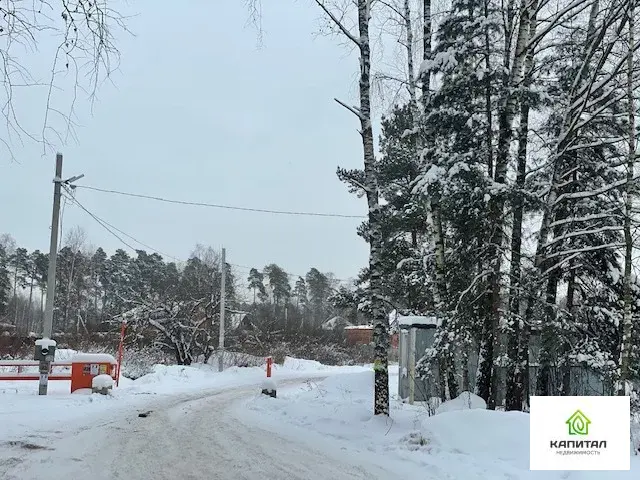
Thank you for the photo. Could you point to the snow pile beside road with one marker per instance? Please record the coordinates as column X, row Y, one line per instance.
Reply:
column 300, row 365
column 463, row 441
column 464, row 401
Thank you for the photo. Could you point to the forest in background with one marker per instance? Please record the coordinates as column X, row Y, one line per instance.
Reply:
column 174, row 306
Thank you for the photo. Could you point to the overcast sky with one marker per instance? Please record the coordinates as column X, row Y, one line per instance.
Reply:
column 197, row 112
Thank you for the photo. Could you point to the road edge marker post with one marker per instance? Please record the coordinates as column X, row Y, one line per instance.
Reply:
column 268, row 385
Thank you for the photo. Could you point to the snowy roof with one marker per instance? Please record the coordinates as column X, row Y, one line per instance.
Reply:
column 236, row 319
column 359, row 327
column 93, row 358
column 418, row 321
column 334, row 322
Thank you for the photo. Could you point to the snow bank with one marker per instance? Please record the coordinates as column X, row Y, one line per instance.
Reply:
column 102, row 381
column 464, row 401
column 463, row 441
column 291, row 364
column 299, row 365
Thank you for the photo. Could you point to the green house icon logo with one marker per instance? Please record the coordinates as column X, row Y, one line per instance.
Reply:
column 578, row 424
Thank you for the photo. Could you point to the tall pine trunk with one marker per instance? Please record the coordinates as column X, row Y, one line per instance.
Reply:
column 545, row 383
column 565, row 369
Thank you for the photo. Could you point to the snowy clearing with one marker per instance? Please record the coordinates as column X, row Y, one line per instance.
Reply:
column 458, row 443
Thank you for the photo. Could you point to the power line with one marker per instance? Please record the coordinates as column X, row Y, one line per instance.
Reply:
column 215, row 205
column 108, row 227
column 99, row 221
column 107, row 224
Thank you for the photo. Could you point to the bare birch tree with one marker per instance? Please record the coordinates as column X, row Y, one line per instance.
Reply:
column 337, row 12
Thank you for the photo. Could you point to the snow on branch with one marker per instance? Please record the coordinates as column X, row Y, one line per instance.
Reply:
column 579, row 233
column 592, row 193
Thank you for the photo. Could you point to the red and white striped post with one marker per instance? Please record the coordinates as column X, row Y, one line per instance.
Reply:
column 269, row 364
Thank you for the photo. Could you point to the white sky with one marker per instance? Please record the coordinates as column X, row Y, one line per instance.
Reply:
column 197, row 112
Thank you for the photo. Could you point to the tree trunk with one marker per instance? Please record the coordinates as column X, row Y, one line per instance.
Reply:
column 506, row 113
column 523, row 356
column 465, row 368
column 380, row 320
column 516, row 388
column 546, row 384
column 515, row 381
column 627, row 321
column 29, row 312
column 485, row 355
column 488, row 103
column 565, row 369
column 15, row 297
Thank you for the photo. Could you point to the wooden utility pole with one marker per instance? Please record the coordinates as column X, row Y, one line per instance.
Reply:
column 222, row 298
column 47, row 327
column 45, row 347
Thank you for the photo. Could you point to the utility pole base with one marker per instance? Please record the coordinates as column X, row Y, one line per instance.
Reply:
column 44, row 368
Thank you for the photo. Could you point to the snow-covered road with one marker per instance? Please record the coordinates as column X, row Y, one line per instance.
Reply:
column 193, row 436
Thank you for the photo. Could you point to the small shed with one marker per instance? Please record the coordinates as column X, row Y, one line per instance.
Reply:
column 417, row 333
column 359, row 334
column 363, row 335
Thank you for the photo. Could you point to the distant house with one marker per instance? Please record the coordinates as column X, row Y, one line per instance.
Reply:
column 336, row 323
column 238, row 319
column 363, row 335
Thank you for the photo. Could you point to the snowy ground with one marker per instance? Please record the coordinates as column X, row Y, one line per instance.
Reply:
column 207, row 425
column 463, row 444
column 64, row 436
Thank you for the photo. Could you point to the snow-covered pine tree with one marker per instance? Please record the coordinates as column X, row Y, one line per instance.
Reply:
column 402, row 216
column 116, row 283
column 581, row 230
column 256, row 283
column 458, row 156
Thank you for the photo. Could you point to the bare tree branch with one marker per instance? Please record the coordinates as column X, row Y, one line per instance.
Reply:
column 337, row 22
column 86, row 53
